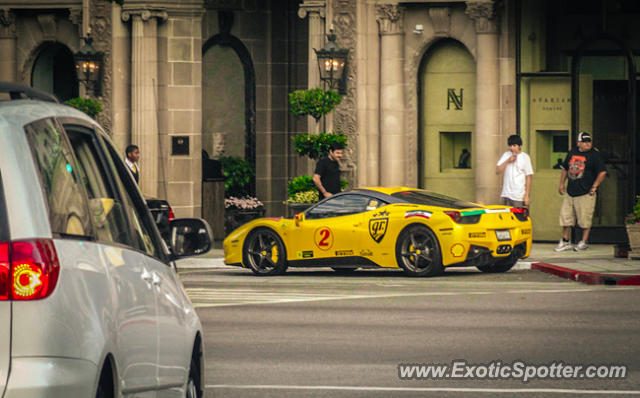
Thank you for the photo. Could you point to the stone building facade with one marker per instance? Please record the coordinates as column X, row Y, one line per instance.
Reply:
column 425, row 81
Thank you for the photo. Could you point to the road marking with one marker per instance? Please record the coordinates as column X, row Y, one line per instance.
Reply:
column 425, row 389
column 204, row 297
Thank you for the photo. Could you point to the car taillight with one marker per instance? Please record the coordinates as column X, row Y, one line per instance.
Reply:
column 455, row 215
column 171, row 215
column 521, row 213
column 29, row 269
column 5, row 267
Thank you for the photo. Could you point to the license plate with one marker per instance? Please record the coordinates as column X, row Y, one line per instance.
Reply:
column 503, row 234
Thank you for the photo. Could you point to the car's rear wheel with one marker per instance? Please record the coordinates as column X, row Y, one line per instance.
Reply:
column 264, row 252
column 418, row 251
column 499, row 266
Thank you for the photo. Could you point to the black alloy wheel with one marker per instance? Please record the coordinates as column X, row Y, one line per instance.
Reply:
column 418, row 251
column 264, row 252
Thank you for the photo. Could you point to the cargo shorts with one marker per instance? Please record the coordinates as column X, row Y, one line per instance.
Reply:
column 580, row 207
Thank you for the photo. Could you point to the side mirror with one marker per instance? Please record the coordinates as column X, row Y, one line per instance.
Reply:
column 299, row 218
column 189, row 237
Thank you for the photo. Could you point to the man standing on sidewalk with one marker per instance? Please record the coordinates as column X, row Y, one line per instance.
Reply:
column 516, row 166
column 586, row 170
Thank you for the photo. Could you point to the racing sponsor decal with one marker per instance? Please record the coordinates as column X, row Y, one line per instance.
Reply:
column 341, row 253
column 366, row 253
column 418, row 213
column 477, row 234
column 304, row 254
column 526, row 231
column 457, row 250
column 378, row 225
column 323, row 238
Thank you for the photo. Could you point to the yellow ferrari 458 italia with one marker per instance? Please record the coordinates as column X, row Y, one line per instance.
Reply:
column 419, row 231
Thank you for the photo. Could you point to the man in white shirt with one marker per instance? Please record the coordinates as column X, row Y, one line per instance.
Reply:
column 518, row 172
column 132, row 156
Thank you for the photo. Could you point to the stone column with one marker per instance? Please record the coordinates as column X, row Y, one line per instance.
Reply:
column 315, row 11
column 144, row 92
column 8, row 40
column 486, row 138
column 392, row 104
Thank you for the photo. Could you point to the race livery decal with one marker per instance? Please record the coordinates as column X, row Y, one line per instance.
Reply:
column 418, row 213
column 304, row 254
column 341, row 253
column 378, row 225
column 323, row 238
column 366, row 252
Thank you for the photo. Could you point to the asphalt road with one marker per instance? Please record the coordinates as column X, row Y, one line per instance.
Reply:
column 312, row 333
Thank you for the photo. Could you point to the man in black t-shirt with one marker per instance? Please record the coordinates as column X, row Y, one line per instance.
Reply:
column 585, row 169
column 327, row 173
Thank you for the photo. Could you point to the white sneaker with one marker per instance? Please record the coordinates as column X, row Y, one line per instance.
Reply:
column 562, row 246
column 582, row 245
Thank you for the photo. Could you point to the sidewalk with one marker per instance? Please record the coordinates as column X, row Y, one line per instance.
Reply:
column 593, row 266
column 596, row 265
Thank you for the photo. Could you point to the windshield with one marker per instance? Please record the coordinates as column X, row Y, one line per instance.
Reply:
column 433, row 199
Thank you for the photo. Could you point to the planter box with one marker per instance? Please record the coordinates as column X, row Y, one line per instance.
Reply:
column 633, row 232
column 233, row 218
column 295, row 208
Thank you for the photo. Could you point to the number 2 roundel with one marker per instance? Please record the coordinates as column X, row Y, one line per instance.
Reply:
column 323, row 238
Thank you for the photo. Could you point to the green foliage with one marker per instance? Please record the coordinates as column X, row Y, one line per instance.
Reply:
column 310, row 196
column 634, row 216
column 239, row 173
column 317, row 145
column 300, row 184
column 302, row 189
column 314, row 102
column 86, row 105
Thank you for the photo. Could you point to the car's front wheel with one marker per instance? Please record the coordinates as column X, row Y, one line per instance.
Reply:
column 264, row 252
column 418, row 251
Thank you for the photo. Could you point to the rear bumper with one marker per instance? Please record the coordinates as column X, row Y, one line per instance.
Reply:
column 51, row 377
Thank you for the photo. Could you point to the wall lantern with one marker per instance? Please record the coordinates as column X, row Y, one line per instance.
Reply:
column 89, row 66
column 332, row 61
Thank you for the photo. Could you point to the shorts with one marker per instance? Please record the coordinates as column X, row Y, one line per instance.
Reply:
column 580, row 207
column 510, row 202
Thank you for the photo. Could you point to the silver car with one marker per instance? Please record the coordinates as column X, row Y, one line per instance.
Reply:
column 90, row 302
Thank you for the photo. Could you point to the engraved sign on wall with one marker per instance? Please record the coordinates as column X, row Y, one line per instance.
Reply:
column 455, row 99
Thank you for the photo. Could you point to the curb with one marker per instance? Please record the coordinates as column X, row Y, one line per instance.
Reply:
column 590, row 278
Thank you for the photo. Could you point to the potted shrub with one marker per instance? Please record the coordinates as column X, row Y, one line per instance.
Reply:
column 632, row 222
column 302, row 193
column 86, row 105
column 239, row 203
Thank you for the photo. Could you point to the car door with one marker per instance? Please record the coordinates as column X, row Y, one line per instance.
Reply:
column 331, row 229
column 171, row 304
column 122, row 250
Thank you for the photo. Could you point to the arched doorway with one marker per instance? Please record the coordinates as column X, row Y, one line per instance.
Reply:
column 447, row 95
column 228, row 98
column 603, row 66
column 54, row 71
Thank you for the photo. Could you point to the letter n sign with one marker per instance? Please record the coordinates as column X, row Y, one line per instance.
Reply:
column 455, row 99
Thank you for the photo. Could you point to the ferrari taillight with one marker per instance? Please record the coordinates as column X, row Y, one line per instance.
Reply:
column 29, row 269
column 521, row 213
column 455, row 215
